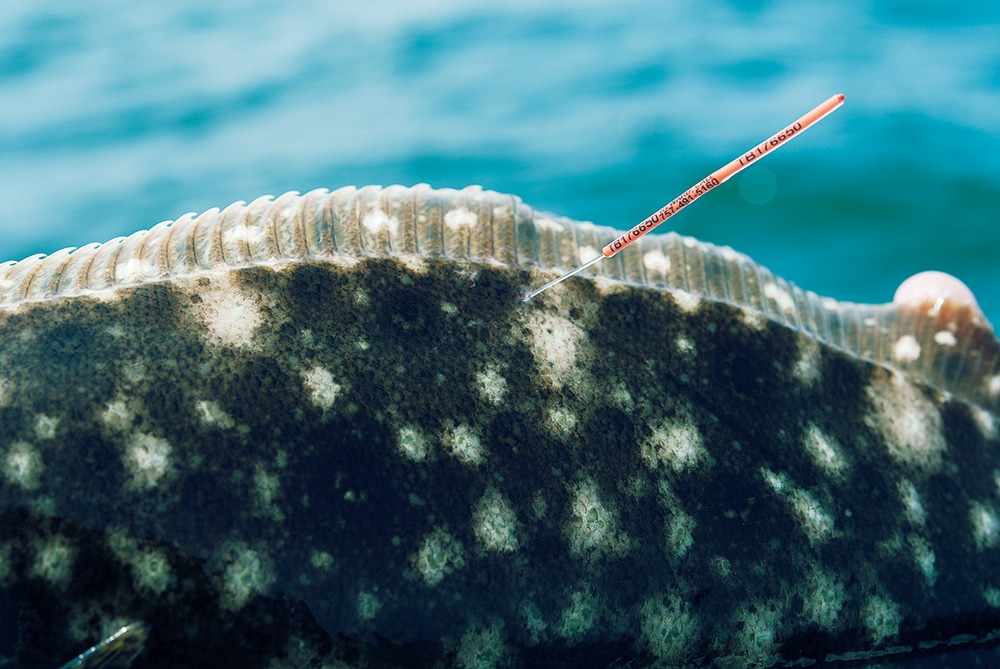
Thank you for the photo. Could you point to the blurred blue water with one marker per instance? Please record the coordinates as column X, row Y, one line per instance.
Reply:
column 115, row 115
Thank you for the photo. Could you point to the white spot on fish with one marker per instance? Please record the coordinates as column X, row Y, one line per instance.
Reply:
column 680, row 533
column 593, row 528
column 495, row 524
column 456, row 219
column 134, row 371
column 688, row 302
column 150, row 567
column 824, row 451
column 654, row 261
column 906, row 349
column 492, row 385
column 45, row 426
column 675, row 444
column 923, row 556
column 881, row 617
column 814, row 521
column 321, row 560
column 684, row 346
column 780, row 297
column 321, row 386
column 147, row 458
column 377, row 220
column 562, row 421
column 247, row 573
column 483, row 647
column 439, row 555
column 730, row 255
column 824, row 598
column 910, row 498
column 720, row 567
column 133, row 270
column 945, row 338
column 368, row 605
column 985, row 421
column 548, row 224
column 985, row 525
column 267, row 488
column 909, row 423
column 117, row 416
column 23, row 465
column 753, row 319
column 680, row 526
column 587, row 253
column 555, row 344
column 211, row 414
column 808, row 368
column 533, row 621
column 412, row 444
column 464, row 444
column 230, row 316
column 242, row 234
column 54, row 561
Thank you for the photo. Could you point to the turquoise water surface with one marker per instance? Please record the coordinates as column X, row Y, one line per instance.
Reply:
column 117, row 115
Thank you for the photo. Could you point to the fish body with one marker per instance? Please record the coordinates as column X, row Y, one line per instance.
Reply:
column 340, row 398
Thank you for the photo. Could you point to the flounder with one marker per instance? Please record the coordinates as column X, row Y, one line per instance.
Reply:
column 324, row 428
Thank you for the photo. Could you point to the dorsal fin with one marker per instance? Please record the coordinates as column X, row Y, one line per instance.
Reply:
column 954, row 350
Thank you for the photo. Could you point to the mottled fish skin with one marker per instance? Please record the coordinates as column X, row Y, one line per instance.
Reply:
column 340, row 397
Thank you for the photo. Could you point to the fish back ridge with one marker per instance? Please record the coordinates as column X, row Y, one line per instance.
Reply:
column 954, row 350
